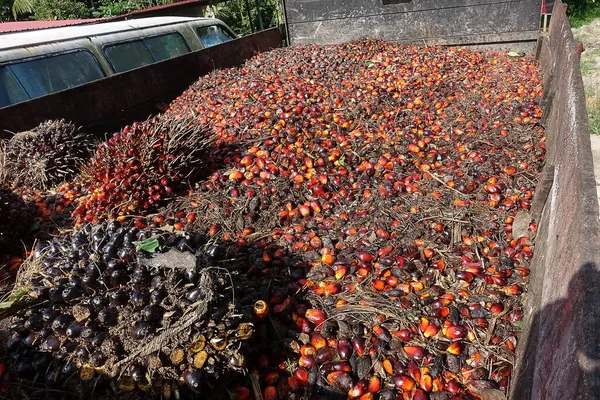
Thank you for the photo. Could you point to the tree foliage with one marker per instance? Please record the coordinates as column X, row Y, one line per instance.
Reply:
column 59, row 9
column 235, row 14
column 243, row 16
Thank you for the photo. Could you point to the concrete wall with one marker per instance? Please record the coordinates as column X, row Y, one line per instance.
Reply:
column 559, row 350
column 450, row 22
column 109, row 103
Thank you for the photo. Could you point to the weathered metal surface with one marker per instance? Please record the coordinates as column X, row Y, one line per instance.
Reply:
column 132, row 95
column 559, row 349
column 450, row 22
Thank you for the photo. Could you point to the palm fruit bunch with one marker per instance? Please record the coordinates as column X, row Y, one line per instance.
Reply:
column 16, row 217
column 131, row 310
column 142, row 166
column 49, row 154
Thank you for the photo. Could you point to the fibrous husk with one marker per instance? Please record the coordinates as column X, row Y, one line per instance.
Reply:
column 49, row 154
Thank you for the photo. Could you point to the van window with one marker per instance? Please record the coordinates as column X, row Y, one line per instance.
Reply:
column 11, row 91
column 213, row 35
column 167, row 46
column 39, row 76
column 129, row 55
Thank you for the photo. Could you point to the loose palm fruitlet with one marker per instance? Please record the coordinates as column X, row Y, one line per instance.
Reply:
column 142, row 166
column 397, row 173
column 48, row 155
column 131, row 310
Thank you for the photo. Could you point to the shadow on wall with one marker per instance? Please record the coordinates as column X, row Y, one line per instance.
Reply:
column 577, row 315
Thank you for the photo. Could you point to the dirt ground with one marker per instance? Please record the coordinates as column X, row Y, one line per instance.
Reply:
column 590, row 69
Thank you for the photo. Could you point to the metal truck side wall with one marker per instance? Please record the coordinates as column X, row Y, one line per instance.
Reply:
column 133, row 95
column 559, row 350
column 419, row 21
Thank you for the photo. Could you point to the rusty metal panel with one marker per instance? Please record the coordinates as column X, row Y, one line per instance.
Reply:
column 559, row 347
column 122, row 98
column 420, row 21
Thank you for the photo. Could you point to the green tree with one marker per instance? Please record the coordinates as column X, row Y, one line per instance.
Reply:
column 13, row 9
column 268, row 13
column 59, row 9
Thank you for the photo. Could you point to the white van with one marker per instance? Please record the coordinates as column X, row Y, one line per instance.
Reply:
column 39, row 62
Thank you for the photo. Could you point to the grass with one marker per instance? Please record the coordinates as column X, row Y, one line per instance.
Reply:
column 592, row 101
column 580, row 17
column 589, row 62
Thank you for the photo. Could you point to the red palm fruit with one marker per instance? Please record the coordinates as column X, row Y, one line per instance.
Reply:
column 381, row 333
column 428, row 253
column 308, row 350
column 413, row 148
column 414, row 372
column 294, row 384
column 359, row 389
column 332, row 288
column 404, row 382
column 358, row 344
column 403, row 334
column 261, row 309
column 344, row 349
column 480, row 322
column 465, row 276
column 496, row 308
column 366, row 257
column 270, row 393
column 302, row 375
column 304, row 210
column 438, row 264
column 241, row 393
column 304, row 325
column 271, row 378
column 442, row 312
column 341, row 271
column 455, row 332
column 325, row 354
column 426, row 382
column 391, row 281
column 315, row 316
column 438, row 385
column 378, row 285
column 423, row 324
column 431, row 330
column 343, row 366
column 236, row 175
column 455, row 348
column 374, row 384
column 307, row 361
column 316, row 242
column 388, row 367
column 385, row 251
column 340, row 380
column 513, row 290
column 367, row 396
column 452, row 386
column 420, row 394
column 414, row 352
column 318, row 341
column 327, row 259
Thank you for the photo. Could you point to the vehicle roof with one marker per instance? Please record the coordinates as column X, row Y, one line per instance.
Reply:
column 37, row 37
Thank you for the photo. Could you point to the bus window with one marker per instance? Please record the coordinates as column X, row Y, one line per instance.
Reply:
column 167, row 46
column 213, row 35
column 40, row 76
column 129, row 55
column 11, row 91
